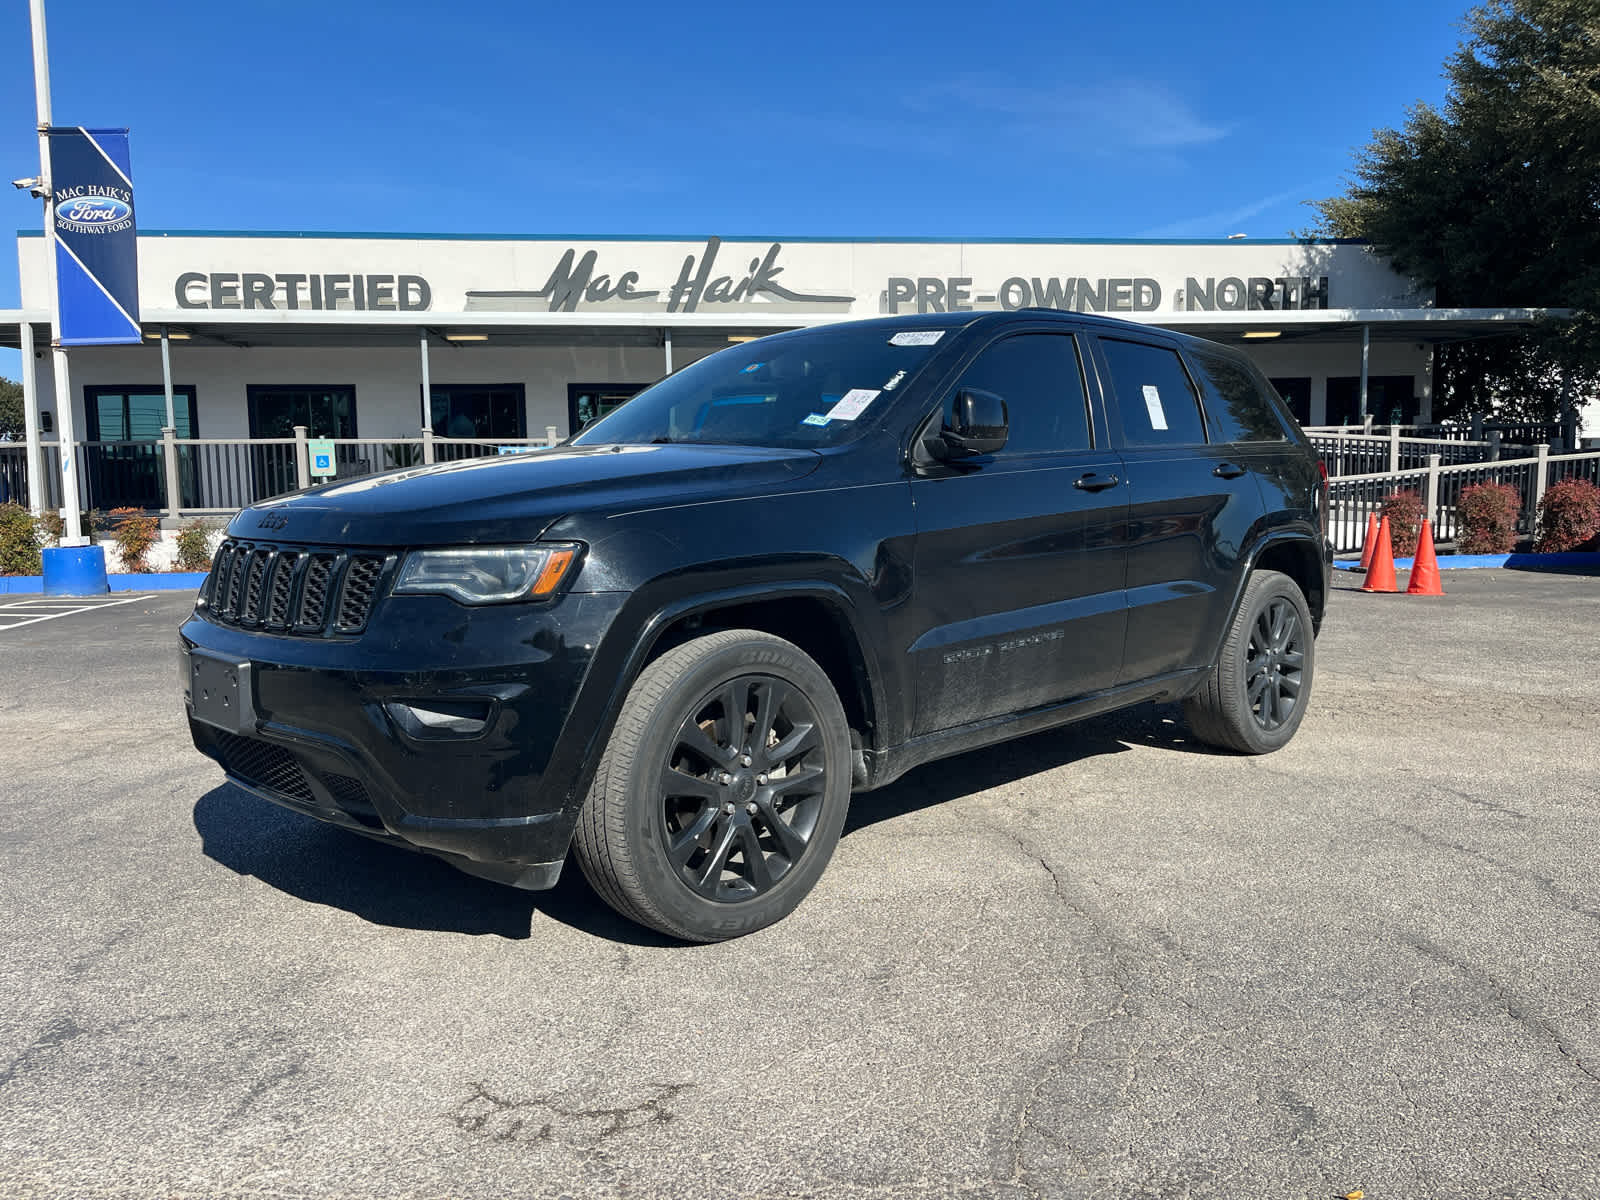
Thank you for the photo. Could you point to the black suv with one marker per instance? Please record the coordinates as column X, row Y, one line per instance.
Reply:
column 793, row 570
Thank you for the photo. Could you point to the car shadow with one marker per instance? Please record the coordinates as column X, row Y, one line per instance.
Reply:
column 387, row 885
column 934, row 783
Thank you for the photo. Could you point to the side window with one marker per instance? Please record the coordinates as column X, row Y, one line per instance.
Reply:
column 1039, row 377
column 1158, row 403
column 1236, row 408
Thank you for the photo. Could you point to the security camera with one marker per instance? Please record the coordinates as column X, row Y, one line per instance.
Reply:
column 35, row 186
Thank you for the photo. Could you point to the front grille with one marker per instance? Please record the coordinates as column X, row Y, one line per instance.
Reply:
column 306, row 591
column 264, row 765
column 351, row 795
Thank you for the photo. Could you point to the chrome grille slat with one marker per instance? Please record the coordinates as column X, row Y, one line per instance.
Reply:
column 307, row 591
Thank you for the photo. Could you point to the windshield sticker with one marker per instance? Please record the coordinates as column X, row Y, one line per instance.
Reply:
column 816, row 419
column 894, row 381
column 916, row 337
column 1152, row 402
column 853, row 404
column 753, row 367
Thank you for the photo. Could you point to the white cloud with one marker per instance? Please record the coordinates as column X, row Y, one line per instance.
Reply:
column 1224, row 221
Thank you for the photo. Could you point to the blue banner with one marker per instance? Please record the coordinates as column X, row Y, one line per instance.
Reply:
column 97, row 265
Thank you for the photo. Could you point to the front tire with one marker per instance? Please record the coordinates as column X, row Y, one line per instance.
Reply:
column 1257, row 693
column 722, row 791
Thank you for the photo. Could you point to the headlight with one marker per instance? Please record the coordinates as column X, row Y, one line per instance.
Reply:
column 488, row 574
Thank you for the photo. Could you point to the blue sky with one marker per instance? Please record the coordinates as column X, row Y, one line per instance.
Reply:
column 861, row 119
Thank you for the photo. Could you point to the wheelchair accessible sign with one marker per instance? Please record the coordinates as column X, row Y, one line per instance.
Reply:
column 321, row 452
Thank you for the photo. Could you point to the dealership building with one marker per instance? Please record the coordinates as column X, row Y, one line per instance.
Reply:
column 498, row 338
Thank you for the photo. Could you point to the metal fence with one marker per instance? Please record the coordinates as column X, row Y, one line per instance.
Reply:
column 177, row 477
column 1352, row 498
column 1358, row 453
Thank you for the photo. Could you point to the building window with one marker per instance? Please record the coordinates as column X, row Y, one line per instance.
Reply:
column 1296, row 393
column 122, row 413
column 488, row 411
column 588, row 402
column 1391, row 400
column 326, row 412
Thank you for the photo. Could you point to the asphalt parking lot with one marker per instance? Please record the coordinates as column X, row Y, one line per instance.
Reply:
column 1099, row 962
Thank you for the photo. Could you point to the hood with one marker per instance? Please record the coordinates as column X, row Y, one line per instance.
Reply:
column 514, row 498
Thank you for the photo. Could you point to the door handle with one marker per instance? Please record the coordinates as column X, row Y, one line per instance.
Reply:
column 1094, row 483
column 1227, row 470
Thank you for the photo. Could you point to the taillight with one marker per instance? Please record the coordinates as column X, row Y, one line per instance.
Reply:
column 1322, row 496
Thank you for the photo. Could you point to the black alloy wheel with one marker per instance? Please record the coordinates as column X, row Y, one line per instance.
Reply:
column 1255, row 696
column 722, row 791
column 1274, row 662
column 742, row 788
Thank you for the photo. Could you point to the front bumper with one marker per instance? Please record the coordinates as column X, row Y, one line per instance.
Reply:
column 441, row 727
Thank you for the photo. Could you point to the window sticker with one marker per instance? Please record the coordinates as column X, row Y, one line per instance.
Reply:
column 753, row 367
column 894, row 381
column 816, row 419
column 853, row 404
column 916, row 337
column 1152, row 402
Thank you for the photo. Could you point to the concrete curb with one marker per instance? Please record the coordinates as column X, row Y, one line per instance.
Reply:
column 1515, row 562
column 153, row 581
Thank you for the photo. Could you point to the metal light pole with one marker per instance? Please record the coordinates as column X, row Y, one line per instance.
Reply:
column 72, row 534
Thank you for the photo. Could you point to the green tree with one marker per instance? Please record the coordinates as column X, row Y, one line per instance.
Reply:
column 1493, row 200
column 10, row 408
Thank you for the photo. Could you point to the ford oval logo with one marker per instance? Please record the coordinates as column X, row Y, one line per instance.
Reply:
column 94, row 210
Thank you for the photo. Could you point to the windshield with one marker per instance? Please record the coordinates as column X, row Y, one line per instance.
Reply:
column 812, row 388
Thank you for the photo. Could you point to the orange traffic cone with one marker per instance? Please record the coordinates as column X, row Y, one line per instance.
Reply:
column 1425, row 566
column 1380, row 576
column 1370, row 542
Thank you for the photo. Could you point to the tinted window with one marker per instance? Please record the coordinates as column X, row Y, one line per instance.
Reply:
column 1038, row 376
column 1158, row 403
column 1236, row 408
column 813, row 387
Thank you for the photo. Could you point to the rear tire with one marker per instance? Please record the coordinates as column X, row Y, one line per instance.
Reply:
column 1257, row 693
column 722, row 791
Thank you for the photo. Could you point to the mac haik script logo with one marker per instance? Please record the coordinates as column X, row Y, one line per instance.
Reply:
column 578, row 281
column 94, row 209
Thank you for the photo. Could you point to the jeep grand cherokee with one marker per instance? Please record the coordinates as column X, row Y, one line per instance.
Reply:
column 798, row 568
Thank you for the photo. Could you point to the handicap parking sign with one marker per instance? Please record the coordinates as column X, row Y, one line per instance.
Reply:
column 321, row 452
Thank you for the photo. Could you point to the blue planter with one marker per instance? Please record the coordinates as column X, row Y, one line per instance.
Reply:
column 75, row 571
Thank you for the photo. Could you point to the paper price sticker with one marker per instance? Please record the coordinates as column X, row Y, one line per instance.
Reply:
column 852, row 404
column 916, row 337
column 1152, row 402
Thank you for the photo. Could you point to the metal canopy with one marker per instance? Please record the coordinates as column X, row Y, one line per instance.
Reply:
column 335, row 329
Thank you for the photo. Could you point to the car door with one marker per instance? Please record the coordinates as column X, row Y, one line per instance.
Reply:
column 1190, row 507
column 1019, row 562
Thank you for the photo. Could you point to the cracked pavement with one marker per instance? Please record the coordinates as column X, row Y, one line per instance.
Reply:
column 1098, row 962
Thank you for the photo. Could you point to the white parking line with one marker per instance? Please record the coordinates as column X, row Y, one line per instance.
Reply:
column 17, row 613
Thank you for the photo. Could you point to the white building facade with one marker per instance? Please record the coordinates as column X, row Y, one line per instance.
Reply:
column 378, row 336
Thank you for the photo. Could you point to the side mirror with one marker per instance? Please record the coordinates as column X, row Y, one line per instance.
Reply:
column 977, row 426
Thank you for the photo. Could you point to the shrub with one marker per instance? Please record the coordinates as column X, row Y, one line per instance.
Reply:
column 194, row 546
column 134, row 534
column 1404, row 510
column 51, row 527
column 19, row 543
column 1569, row 515
column 1488, row 513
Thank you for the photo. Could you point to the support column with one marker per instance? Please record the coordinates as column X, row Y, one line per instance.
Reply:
column 427, row 402
column 1366, row 358
column 38, row 478
column 166, row 379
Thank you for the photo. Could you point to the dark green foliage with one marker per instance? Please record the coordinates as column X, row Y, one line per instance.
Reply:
column 194, row 546
column 1491, row 200
column 19, row 546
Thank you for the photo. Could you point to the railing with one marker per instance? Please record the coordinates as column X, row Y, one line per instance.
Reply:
column 1352, row 498
column 1353, row 452
column 182, row 476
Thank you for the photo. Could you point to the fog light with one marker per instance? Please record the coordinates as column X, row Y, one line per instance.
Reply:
column 425, row 719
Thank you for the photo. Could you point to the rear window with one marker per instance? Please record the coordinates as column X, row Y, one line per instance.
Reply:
column 1237, row 410
column 1157, row 402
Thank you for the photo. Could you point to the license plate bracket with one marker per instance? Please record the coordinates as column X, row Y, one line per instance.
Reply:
column 221, row 692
